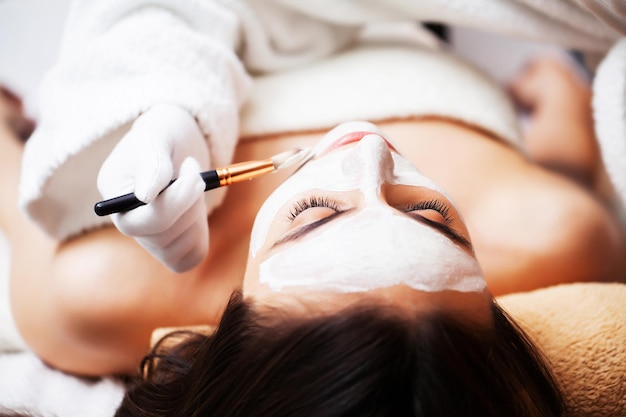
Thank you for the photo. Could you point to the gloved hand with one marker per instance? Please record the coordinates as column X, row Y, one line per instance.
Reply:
column 163, row 143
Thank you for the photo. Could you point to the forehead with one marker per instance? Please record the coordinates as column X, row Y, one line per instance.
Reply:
column 475, row 307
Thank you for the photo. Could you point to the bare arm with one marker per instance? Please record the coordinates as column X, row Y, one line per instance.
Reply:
column 560, row 133
column 89, row 305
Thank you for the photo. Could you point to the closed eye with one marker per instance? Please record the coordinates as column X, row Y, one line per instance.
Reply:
column 304, row 204
column 419, row 211
column 324, row 209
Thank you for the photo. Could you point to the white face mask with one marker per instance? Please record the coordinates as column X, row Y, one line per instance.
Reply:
column 375, row 248
column 374, row 245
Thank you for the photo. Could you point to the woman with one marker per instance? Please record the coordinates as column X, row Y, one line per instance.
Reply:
column 363, row 297
column 535, row 219
column 525, row 218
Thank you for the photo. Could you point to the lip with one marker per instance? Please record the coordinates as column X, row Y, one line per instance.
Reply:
column 353, row 137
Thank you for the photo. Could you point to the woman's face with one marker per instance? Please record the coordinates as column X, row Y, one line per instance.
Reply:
column 358, row 218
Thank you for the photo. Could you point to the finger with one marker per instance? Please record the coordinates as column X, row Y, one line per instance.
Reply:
column 194, row 254
column 167, row 208
column 188, row 248
column 180, row 130
column 164, row 238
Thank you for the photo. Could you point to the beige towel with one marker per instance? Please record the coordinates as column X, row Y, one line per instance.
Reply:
column 582, row 330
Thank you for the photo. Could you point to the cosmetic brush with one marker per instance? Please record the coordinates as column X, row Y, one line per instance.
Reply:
column 215, row 178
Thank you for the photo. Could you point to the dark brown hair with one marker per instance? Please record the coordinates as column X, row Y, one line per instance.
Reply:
column 361, row 361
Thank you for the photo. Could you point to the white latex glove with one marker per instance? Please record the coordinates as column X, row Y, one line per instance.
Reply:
column 164, row 143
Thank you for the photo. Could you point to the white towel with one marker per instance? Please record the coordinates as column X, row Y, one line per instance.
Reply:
column 27, row 385
column 609, row 112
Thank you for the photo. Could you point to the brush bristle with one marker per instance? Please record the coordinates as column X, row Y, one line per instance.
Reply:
column 288, row 158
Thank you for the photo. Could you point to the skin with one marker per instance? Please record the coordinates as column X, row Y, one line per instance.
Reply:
column 89, row 305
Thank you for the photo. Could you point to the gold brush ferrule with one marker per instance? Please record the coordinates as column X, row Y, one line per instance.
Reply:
column 243, row 171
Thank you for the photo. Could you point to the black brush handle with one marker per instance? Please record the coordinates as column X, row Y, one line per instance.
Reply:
column 129, row 201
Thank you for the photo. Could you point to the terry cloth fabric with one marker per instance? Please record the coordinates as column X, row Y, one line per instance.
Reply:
column 580, row 328
column 609, row 113
column 379, row 82
column 27, row 385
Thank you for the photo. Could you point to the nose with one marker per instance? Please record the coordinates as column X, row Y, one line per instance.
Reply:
column 371, row 164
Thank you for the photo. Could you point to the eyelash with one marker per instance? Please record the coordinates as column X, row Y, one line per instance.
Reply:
column 312, row 202
column 316, row 201
column 436, row 205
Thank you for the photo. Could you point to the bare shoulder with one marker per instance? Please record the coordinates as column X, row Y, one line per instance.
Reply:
column 541, row 229
column 95, row 308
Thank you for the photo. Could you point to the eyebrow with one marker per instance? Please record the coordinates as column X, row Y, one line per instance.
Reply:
column 308, row 228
